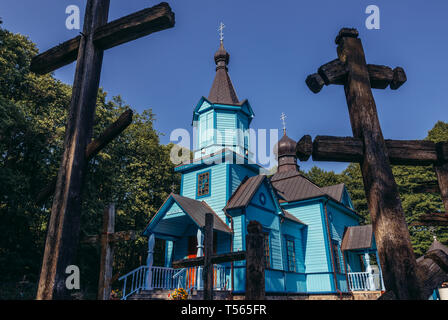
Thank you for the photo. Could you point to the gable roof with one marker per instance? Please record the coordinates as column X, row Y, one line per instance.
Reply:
column 244, row 193
column 335, row 191
column 289, row 216
column 292, row 186
column 357, row 237
column 196, row 210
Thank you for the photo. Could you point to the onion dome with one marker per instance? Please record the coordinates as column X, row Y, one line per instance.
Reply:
column 286, row 147
column 222, row 57
column 285, row 151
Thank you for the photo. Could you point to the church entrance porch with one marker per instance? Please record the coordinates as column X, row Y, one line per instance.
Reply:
column 362, row 260
column 180, row 223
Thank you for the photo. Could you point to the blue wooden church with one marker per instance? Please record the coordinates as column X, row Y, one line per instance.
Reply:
column 314, row 243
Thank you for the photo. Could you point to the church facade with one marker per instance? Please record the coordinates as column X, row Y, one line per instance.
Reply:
column 314, row 243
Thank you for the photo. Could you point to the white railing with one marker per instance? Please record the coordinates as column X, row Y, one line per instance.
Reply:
column 365, row 281
column 164, row 278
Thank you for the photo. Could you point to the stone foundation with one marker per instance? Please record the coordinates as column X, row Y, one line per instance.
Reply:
column 359, row 295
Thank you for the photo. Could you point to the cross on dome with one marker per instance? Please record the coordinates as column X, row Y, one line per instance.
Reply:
column 221, row 31
column 283, row 118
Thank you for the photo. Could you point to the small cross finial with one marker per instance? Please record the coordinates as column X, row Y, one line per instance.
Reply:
column 221, row 31
column 283, row 118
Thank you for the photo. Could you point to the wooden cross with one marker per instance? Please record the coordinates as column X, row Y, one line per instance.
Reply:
column 283, row 118
column 389, row 224
column 254, row 255
column 401, row 152
column 107, row 239
column 87, row 49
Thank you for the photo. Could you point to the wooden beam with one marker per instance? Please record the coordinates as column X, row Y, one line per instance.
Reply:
column 94, row 148
column 56, row 57
column 304, row 148
column 442, row 179
column 383, row 199
column 64, row 223
column 432, row 270
column 432, row 219
column 107, row 253
column 134, row 26
column 207, row 273
column 255, row 263
column 111, row 132
column 115, row 237
column 131, row 27
column 335, row 72
column 216, row 259
column 349, row 149
column 427, row 187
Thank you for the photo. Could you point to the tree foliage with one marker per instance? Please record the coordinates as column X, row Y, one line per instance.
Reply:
column 134, row 171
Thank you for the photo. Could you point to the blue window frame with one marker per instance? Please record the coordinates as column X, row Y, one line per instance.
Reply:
column 203, row 184
column 291, row 255
column 267, row 251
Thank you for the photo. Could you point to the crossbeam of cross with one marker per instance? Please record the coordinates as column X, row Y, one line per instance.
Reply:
column 391, row 233
column 87, row 49
column 400, row 152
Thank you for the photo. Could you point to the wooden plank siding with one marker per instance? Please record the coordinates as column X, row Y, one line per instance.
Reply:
column 338, row 220
column 218, row 180
column 317, row 259
column 225, row 127
column 291, row 231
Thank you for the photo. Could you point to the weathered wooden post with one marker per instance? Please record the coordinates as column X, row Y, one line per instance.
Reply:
column 255, row 280
column 389, row 224
column 391, row 231
column 207, row 276
column 107, row 253
column 87, row 49
column 442, row 177
column 106, row 239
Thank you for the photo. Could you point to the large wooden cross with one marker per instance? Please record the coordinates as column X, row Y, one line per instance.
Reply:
column 254, row 256
column 107, row 239
column 87, row 49
column 391, row 233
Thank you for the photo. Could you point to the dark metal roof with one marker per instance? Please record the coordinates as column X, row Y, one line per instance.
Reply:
column 289, row 216
column 222, row 90
column 292, row 186
column 244, row 193
column 334, row 191
column 357, row 237
column 197, row 210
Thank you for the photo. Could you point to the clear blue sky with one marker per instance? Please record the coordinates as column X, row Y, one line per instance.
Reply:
column 273, row 45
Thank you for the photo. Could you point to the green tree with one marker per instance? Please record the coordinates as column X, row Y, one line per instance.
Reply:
column 134, row 171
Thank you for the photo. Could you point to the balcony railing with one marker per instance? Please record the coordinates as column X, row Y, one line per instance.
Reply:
column 365, row 281
column 164, row 278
